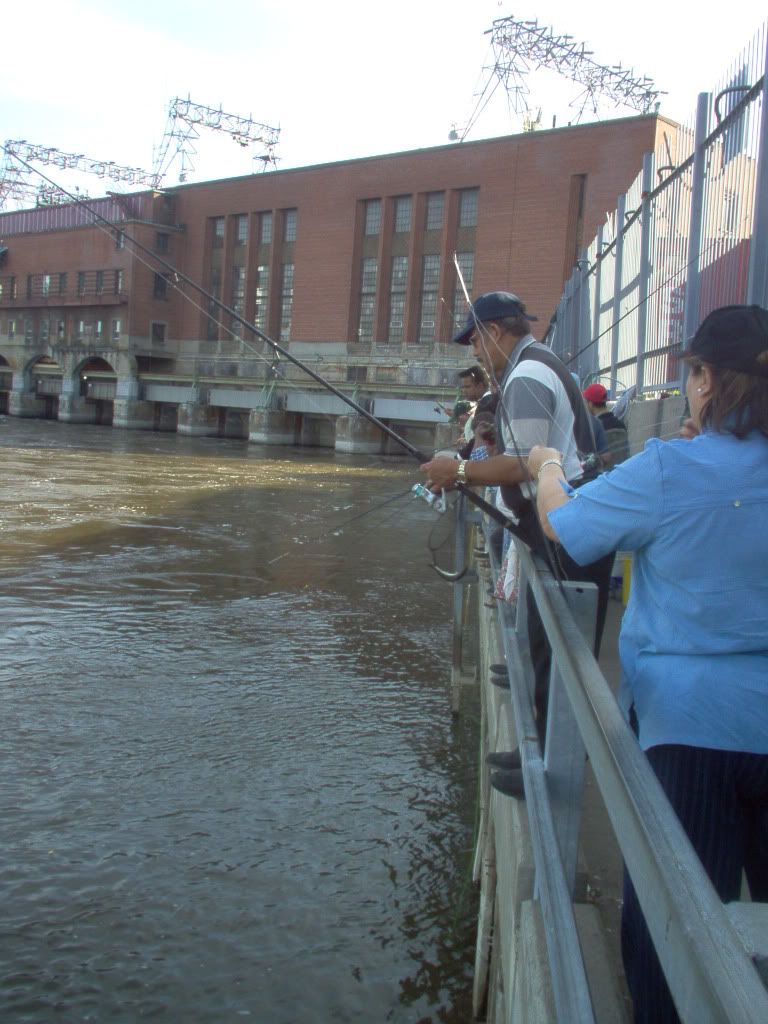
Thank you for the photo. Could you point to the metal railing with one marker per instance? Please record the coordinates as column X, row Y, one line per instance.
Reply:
column 689, row 235
column 710, row 971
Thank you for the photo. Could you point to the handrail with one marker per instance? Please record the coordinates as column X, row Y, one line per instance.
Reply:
column 709, row 971
column 710, row 974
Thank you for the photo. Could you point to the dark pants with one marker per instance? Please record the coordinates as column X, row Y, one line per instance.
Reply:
column 599, row 573
column 721, row 799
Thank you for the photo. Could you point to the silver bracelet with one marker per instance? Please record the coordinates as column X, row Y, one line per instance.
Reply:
column 548, row 462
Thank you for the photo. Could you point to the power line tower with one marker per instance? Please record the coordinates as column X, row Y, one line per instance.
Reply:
column 522, row 47
column 185, row 118
column 16, row 181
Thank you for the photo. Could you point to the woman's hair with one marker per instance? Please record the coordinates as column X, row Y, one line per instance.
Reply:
column 739, row 401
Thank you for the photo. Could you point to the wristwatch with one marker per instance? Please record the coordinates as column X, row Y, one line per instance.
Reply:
column 461, row 472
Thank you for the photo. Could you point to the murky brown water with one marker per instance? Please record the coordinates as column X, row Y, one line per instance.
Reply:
column 231, row 783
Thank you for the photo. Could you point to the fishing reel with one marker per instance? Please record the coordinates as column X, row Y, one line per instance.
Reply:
column 437, row 501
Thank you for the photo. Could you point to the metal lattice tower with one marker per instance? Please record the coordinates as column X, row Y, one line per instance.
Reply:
column 523, row 46
column 15, row 183
column 184, row 120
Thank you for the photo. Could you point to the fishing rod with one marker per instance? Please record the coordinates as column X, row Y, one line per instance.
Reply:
column 179, row 276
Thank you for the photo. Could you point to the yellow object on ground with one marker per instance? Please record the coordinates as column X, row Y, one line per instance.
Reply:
column 626, row 578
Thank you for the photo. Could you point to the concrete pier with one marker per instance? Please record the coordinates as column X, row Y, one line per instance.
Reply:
column 271, row 426
column 26, row 403
column 357, row 435
column 133, row 414
column 198, row 420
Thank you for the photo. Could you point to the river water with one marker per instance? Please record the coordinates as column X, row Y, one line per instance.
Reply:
column 232, row 787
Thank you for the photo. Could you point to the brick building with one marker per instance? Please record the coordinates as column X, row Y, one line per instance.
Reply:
column 349, row 264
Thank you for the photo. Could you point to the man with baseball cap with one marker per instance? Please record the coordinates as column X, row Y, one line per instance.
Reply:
column 539, row 403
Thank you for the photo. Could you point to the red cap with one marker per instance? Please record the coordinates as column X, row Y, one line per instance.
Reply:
column 596, row 394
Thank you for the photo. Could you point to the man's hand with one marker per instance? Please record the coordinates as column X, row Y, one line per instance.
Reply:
column 441, row 474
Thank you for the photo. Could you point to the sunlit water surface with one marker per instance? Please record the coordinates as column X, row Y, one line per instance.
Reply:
column 231, row 784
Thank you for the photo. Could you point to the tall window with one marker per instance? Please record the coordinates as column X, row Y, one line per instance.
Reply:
column 435, row 205
column 286, row 302
column 262, row 297
column 99, row 330
column 160, row 286
column 430, row 276
column 47, row 282
column 62, row 284
column 118, row 281
column 116, row 329
column 61, row 330
column 44, row 329
column 370, row 268
column 397, row 287
column 289, row 227
column 218, row 232
column 212, row 327
column 238, row 298
column 29, row 331
column 372, row 216
column 119, row 240
column 161, row 241
column 81, row 282
column 402, row 214
column 241, row 229
column 99, row 282
column 265, row 228
column 468, row 199
column 466, row 262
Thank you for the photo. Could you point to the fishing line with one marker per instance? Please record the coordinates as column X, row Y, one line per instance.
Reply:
column 336, row 531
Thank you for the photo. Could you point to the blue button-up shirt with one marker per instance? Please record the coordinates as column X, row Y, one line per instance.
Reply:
column 694, row 641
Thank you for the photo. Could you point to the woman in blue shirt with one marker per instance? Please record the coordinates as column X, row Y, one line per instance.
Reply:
column 694, row 640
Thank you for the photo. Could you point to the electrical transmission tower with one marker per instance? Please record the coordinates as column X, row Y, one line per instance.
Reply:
column 184, row 120
column 15, row 182
column 520, row 47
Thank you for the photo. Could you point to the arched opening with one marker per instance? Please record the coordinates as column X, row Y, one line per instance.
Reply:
column 98, row 385
column 45, row 378
column 6, row 381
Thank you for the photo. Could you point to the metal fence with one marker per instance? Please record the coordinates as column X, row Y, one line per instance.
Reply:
column 689, row 235
column 700, row 942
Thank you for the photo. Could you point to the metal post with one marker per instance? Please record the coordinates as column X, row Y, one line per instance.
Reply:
column 618, row 251
column 583, row 328
column 757, row 284
column 692, row 313
column 564, row 753
column 645, row 267
column 598, row 295
column 459, row 544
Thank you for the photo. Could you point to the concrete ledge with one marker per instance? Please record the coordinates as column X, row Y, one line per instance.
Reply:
column 532, row 1001
column 608, row 1000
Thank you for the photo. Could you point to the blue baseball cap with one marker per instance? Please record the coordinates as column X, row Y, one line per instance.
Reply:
column 491, row 306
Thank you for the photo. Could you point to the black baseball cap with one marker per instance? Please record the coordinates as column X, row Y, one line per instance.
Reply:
column 491, row 306
column 732, row 338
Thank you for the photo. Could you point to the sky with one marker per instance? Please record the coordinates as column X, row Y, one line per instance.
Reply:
column 340, row 79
